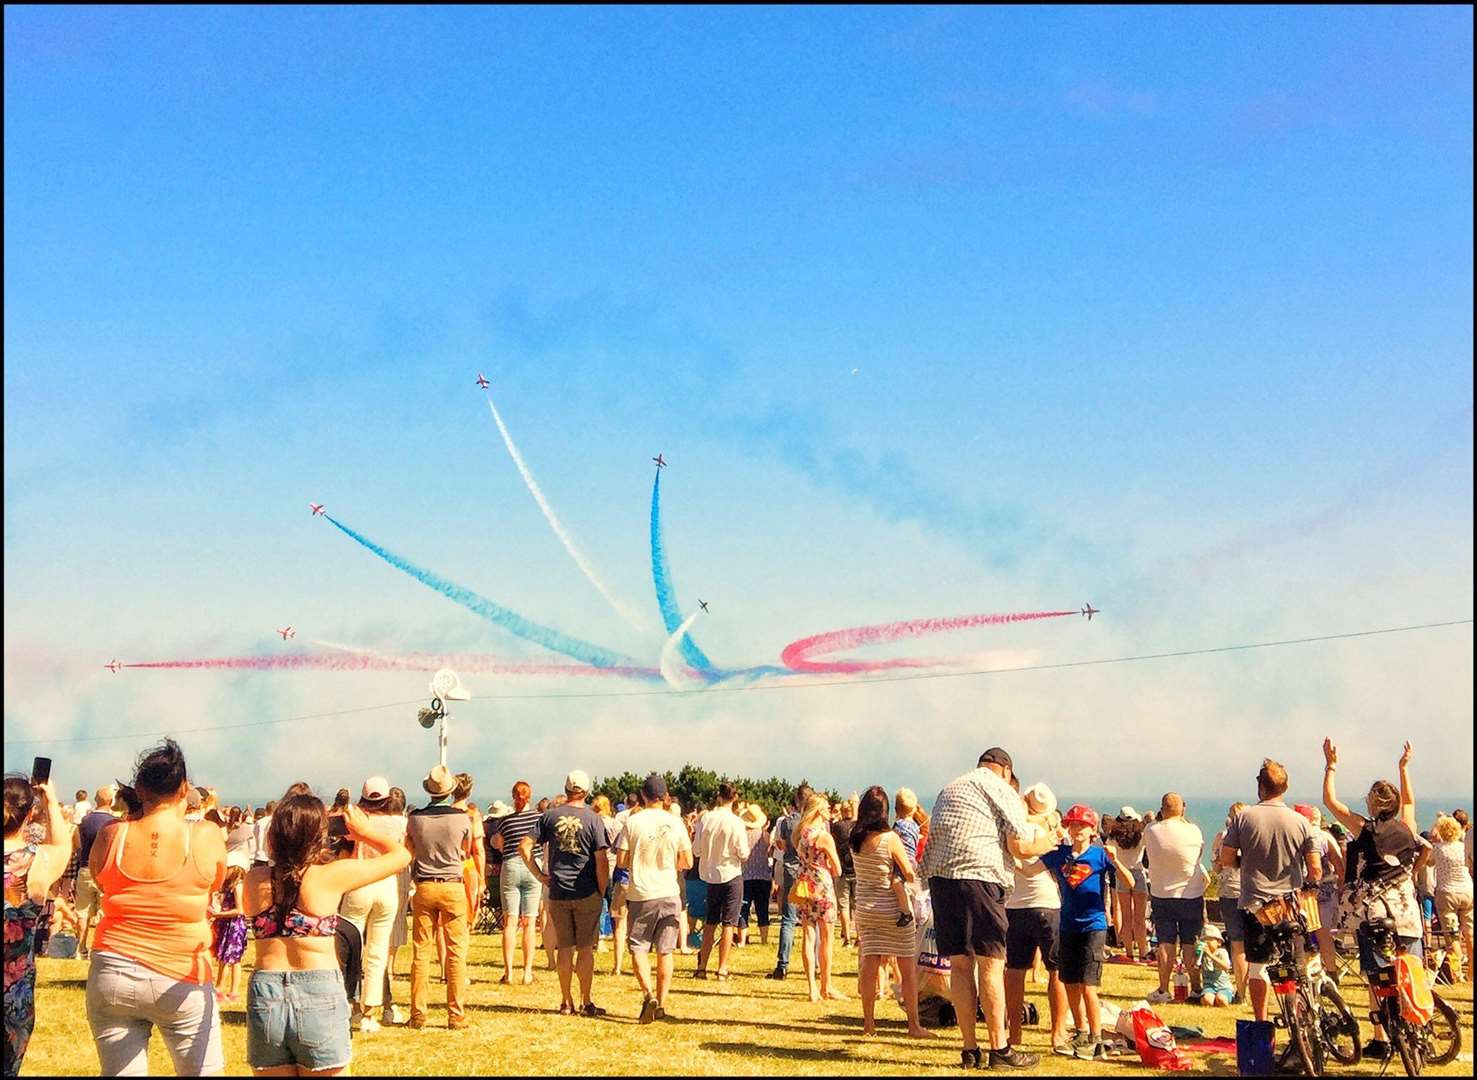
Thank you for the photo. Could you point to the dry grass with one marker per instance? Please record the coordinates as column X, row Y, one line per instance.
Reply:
column 748, row 1026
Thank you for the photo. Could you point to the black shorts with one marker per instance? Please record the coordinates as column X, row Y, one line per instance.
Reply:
column 724, row 903
column 968, row 917
column 1082, row 957
column 1258, row 944
column 1031, row 929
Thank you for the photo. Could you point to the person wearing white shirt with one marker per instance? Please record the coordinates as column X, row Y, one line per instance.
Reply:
column 655, row 849
column 1177, row 883
column 259, row 829
column 721, row 843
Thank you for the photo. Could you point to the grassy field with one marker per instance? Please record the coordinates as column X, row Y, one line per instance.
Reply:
column 748, row 1026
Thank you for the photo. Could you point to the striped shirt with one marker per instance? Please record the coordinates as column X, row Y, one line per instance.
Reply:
column 972, row 819
column 514, row 828
column 907, row 832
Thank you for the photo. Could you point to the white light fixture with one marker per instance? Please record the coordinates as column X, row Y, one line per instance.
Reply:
column 448, row 687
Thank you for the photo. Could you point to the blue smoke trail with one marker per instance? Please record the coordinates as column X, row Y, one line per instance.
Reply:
column 666, row 598
column 511, row 621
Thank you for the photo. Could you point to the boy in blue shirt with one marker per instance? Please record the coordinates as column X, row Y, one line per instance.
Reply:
column 1081, row 869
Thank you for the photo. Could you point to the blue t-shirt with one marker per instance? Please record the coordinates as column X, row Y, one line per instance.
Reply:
column 1082, row 881
column 575, row 835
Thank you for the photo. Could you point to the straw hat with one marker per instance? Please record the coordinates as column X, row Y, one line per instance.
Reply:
column 439, row 782
column 753, row 816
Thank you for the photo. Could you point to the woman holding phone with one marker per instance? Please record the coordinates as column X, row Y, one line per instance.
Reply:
column 151, row 959
column 31, row 870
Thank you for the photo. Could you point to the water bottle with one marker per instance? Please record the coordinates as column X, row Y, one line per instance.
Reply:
column 1181, row 983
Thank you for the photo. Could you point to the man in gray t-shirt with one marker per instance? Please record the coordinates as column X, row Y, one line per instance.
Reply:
column 439, row 837
column 1272, row 844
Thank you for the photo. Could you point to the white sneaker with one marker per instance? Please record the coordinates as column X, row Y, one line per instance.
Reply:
column 1159, row 997
column 395, row 1015
column 368, row 1025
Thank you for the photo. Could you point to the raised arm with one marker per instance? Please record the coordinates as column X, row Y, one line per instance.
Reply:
column 52, row 856
column 1346, row 817
column 1407, row 792
column 1125, row 872
column 346, row 875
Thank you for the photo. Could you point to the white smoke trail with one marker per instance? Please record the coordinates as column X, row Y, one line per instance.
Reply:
column 357, row 650
column 668, row 663
column 593, row 578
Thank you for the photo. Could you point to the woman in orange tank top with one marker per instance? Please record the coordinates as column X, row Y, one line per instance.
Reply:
column 151, row 962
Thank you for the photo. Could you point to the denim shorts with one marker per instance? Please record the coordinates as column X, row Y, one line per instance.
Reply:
column 1177, row 919
column 520, row 890
column 1234, row 918
column 297, row 1018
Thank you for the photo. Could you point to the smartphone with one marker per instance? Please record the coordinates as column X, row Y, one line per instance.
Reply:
column 41, row 770
column 337, row 827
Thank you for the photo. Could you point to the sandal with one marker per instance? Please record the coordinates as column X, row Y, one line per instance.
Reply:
column 566, row 1008
column 723, row 976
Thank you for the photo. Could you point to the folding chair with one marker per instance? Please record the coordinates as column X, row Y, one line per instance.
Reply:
column 1346, row 952
column 489, row 919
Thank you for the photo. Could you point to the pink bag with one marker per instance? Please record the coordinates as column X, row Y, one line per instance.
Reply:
column 1155, row 1044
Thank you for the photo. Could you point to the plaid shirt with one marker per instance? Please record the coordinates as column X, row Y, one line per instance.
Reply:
column 972, row 818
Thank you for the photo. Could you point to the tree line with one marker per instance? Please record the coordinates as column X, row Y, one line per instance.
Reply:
column 695, row 788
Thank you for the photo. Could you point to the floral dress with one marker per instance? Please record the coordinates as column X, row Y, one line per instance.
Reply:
column 814, row 879
column 22, row 916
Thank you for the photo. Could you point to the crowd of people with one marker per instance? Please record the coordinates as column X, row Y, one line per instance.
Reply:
column 164, row 888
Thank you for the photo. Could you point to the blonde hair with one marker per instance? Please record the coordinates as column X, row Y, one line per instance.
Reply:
column 814, row 807
column 1384, row 800
column 905, row 802
column 1447, row 829
column 601, row 805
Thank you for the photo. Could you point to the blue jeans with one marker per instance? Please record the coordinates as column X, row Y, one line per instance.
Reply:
column 788, row 918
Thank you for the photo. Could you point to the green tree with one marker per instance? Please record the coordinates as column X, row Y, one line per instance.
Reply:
column 695, row 786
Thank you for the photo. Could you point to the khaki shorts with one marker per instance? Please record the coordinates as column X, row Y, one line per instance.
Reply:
column 576, row 923
column 88, row 896
column 1453, row 908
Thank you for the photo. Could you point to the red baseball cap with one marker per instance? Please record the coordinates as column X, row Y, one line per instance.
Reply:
column 1306, row 810
column 1081, row 815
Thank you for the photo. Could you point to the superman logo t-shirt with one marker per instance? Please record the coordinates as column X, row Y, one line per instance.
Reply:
column 1082, row 878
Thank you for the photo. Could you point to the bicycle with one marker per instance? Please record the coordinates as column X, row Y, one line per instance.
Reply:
column 1439, row 1039
column 1318, row 1021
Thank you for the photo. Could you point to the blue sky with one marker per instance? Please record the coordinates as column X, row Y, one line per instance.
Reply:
column 1165, row 309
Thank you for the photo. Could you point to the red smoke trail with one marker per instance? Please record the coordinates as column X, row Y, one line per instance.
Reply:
column 473, row 663
column 796, row 655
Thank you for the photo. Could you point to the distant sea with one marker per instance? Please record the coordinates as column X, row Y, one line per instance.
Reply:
column 1211, row 809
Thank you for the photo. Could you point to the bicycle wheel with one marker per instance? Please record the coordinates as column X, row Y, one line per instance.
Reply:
column 1443, row 1035
column 1337, row 1023
column 1302, row 1033
column 1407, row 1039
